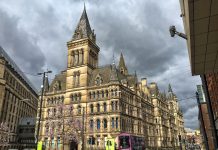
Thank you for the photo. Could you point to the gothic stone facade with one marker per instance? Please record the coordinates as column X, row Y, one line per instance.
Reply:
column 113, row 100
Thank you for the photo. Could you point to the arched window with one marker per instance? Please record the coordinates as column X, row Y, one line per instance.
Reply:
column 106, row 93
column 75, row 97
column 122, row 71
column 105, row 107
column 55, row 100
column 91, row 124
column 48, row 102
column 105, row 123
column 46, row 128
column 115, row 92
column 98, row 80
column 93, row 95
column 79, row 109
column 112, row 106
column 79, row 96
column 102, row 93
column 112, row 122
column 98, row 124
column 98, row 107
column 91, row 108
column 116, row 105
column 98, row 94
column 78, row 78
column 112, row 92
column 116, row 122
column 74, row 79
column 82, row 53
column 58, row 100
column 48, row 112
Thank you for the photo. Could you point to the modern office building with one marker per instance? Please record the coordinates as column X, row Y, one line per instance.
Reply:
column 201, row 28
column 204, row 121
column 26, row 133
column 17, row 99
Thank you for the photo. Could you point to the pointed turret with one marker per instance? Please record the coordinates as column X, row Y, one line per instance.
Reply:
column 46, row 84
column 122, row 66
column 170, row 89
column 114, row 76
column 83, row 29
column 136, row 77
column 170, row 92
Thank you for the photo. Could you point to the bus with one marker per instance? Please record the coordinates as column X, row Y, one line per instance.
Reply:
column 130, row 142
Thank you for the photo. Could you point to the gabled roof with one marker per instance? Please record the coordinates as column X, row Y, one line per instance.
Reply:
column 59, row 79
column 110, row 73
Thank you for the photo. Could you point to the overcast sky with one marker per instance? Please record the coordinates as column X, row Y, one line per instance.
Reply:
column 34, row 33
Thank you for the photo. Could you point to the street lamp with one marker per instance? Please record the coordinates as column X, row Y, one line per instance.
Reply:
column 173, row 32
column 40, row 107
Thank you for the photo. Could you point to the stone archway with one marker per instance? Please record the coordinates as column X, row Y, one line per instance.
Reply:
column 73, row 145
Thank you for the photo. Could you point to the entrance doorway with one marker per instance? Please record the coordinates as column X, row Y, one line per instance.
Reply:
column 73, row 145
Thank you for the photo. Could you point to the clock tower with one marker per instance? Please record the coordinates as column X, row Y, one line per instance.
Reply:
column 82, row 55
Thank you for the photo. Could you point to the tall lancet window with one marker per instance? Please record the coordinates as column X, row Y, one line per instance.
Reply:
column 82, row 56
column 76, row 58
column 72, row 59
column 74, row 79
column 78, row 78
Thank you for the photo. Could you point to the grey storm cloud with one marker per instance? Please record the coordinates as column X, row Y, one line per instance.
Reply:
column 35, row 35
column 20, row 44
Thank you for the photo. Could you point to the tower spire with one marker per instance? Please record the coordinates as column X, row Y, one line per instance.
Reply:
column 170, row 89
column 122, row 66
column 113, row 59
column 83, row 29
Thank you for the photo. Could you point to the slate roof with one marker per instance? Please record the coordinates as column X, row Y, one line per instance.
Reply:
column 107, row 72
column 59, row 78
column 83, row 29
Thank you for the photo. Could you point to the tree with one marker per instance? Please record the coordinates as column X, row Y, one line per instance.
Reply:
column 61, row 123
column 4, row 134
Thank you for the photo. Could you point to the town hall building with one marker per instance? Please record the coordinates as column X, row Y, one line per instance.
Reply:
column 88, row 103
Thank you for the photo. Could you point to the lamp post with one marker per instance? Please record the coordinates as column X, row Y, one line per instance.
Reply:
column 180, row 141
column 40, row 107
column 173, row 32
column 83, row 128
